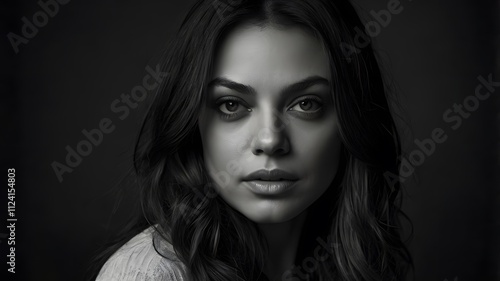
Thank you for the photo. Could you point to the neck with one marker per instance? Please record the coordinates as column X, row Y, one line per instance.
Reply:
column 283, row 240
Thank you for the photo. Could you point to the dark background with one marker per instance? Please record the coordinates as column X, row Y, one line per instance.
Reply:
column 66, row 77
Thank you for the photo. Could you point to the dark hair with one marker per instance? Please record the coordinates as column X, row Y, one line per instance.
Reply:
column 358, row 215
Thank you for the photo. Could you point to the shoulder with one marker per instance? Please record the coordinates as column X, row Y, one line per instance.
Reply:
column 140, row 259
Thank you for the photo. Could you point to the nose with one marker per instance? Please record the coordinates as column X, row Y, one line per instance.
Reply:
column 271, row 137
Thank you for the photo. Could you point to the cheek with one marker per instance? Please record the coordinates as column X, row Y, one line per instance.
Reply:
column 318, row 148
column 223, row 147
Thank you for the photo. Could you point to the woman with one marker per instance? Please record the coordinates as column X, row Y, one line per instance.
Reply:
column 265, row 153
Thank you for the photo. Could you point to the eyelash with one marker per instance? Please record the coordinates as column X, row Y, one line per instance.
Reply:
column 307, row 115
column 224, row 100
column 300, row 114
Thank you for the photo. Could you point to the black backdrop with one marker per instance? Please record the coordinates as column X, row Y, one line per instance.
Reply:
column 64, row 79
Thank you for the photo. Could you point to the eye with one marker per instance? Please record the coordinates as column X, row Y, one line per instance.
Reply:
column 307, row 104
column 231, row 107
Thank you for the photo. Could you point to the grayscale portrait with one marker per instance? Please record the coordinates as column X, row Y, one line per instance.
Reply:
column 255, row 140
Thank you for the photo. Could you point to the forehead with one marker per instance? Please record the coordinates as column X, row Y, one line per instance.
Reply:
column 270, row 58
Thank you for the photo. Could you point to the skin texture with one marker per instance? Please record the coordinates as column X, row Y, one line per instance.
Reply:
column 261, row 124
column 271, row 128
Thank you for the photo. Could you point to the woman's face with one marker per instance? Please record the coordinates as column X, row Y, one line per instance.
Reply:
column 270, row 135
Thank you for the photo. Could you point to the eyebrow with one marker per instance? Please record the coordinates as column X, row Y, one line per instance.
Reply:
column 292, row 88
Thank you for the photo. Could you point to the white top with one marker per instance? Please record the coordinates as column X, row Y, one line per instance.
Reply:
column 138, row 260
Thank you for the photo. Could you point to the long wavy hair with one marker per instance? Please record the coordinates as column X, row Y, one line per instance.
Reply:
column 359, row 215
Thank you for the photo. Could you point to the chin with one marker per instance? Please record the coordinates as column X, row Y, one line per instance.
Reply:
column 270, row 214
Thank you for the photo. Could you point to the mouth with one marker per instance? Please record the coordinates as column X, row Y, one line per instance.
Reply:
column 271, row 175
column 270, row 182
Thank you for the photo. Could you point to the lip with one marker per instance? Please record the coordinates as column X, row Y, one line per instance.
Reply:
column 270, row 182
column 269, row 187
column 270, row 175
